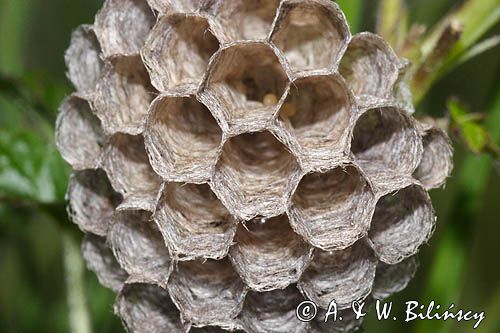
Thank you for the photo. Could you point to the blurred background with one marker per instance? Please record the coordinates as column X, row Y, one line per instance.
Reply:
column 39, row 247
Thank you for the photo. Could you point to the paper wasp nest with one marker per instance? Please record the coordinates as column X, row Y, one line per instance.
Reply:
column 232, row 158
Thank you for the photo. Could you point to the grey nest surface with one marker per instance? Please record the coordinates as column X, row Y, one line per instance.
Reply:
column 233, row 158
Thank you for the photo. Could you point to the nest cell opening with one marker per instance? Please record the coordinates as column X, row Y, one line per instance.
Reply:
column 437, row 160
column 207, row 292
column 273, row 311
column 113, row 26
column 268, row 255
column 242, row 77
column 123, row 95
column 248, row 20
column 182, row 139
column 100, row 259
column 178, row 50
column 319, row 110
column 369, row 66
column 92, row 201
column 332, row 210
column 386, row 140
column 184, row 6
column 311, row 34
column 255, row 175
column 79, row 135
column 83, row 59
column 139, row 247
column 403, row 221
column 194, row 222
column 344, row 276
column 147, row 308
column 127, row 165
column 391, row 279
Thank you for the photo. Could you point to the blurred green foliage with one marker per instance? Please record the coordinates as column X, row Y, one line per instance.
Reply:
column 475, row 136
column 458, row 265
column 33, row 298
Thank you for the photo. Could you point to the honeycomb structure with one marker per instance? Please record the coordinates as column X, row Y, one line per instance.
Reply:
column 233, row 158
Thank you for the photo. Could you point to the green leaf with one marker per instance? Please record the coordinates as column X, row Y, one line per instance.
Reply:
column 475, row 135
column 457, row 111
column 31, row 168
column 479, row 48
column 477, row 17
column 433, row 59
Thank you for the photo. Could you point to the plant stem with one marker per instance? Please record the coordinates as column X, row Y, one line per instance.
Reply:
column 79, row 319
column 428, row 71
column 392, row 22
column 443, row 48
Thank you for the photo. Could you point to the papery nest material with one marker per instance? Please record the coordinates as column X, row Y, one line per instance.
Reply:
column 232, row 158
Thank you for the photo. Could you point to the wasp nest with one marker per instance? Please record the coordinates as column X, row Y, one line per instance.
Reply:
column 232, row 158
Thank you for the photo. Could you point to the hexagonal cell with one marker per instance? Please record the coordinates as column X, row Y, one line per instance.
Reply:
column 312, row 34
column 207, row 292
column 182, row 138
column 113, row 22
column 140, row 201
column 177, row 52
column 247, row 20
column 194, row 222
column 246, row 82
column 332, row 210
column 401, row 91
column 127, row 165
column 92, row 201
column 370, row 66
column 83, row 60
column 391, row 279
column 273, row 311
column 387, row 145
column 123, row 95
column 403, row 221
column 79, row 135
column 184, row 6
column 148, row 308
column 318, row 111
column 139, row 247
column 100, row 260
column 268, row 255
column 437, row 160
column 255, row 176
column 344, row 276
